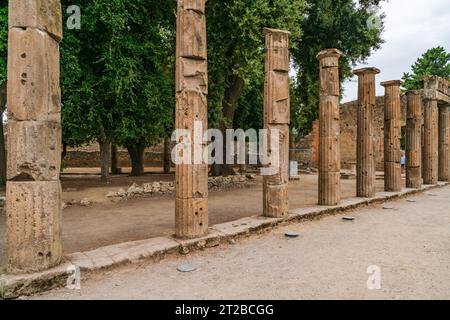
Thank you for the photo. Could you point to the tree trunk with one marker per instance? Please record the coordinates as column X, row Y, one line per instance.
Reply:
column 2, row 137
column 229, row 103
column 137, row 159
column 114, row 160
column 167, row 155
column 105, row 156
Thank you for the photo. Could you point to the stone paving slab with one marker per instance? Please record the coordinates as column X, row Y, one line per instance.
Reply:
column 13, row 286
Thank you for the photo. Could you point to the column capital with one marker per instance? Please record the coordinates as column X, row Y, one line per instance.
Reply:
column 414, row 92
column 270, row 31
column 391, row 83
column 329, row 53
column 368, row 70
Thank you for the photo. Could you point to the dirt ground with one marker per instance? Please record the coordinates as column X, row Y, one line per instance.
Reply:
column 409, row 244
column 105, row 223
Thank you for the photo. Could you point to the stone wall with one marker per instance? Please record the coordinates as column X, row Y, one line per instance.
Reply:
column 308, row 146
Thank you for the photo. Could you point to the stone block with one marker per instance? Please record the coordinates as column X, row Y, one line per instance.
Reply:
column 45, row 15
column 33, row 225
column 33, row 76
column 276, row 201
column 34, row 150
column 191, row 217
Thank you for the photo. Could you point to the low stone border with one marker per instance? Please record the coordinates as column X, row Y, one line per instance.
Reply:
column 13, row 286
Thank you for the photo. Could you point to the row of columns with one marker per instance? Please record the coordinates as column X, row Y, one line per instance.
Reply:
column 427, row 132
column 34, row 132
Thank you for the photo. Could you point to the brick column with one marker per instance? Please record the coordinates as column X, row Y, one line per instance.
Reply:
column 277, row 117
column 414, row 120
column 365, row 163
column 191, row 207
column 33, row 191
column 431, row 141
column 329, row 148
column 444, row 142
column 392, row 133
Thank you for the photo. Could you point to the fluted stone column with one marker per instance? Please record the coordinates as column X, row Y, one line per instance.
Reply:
column 329, row 132
column 414, row 120
column 431, row 141
column 277, row 117
column 191, row 206
column 392, row 133
column 365, row 163
column 444, row 142
column 33, row 191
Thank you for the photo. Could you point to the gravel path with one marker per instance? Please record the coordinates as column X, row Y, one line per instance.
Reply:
column 409, row 243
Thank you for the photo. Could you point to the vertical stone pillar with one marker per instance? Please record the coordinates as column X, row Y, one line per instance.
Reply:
column 414, row 120
column 329, row 148
column 33, row 191
column 365, row 163
column 392, row 133
column 444, row 142
column 431, row 141
column 277, row 117
column 191, row 206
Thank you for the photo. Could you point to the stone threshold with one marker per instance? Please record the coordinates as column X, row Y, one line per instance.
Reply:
column 156, row 249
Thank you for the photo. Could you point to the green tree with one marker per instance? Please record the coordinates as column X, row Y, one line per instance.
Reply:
column 121, row 87
column 236, row 56
column 434, row 62
column 341, row 24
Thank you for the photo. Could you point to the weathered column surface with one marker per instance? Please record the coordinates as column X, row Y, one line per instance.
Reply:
column 392, row 133
column 33, row 191
column 444, row 143
column 277, row 117
column 365, row 163
column 191, row 207
column 329, row 132
column 414, row 120
column 430, row 132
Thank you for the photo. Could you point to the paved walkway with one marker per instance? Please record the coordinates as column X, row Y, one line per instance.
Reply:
column 409, row 243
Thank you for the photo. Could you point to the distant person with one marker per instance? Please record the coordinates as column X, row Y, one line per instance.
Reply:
column 403, row 162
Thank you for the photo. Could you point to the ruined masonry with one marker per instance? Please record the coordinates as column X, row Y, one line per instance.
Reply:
column 365, row 166
column 277, row 117
column 191, row 207
column 329, row 132
column 392, row 133
column 33, row 192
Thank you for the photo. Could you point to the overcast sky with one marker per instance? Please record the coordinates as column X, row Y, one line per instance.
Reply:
column 412, row 27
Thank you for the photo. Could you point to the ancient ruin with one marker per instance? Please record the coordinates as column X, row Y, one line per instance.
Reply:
column 191, row 208
column 392, row 132
column 329, row 132
column 413, row 152
column 365, row 167
column 277, row 117
column 33, row 194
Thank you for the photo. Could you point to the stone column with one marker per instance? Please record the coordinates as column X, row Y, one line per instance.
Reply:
column 277, row 117
column 365, row 163
column 191, row 207
column 392, row 133
column 444, row 142
column 431, row 141
column 33, row 191
column 414, row 120
column 329, row 132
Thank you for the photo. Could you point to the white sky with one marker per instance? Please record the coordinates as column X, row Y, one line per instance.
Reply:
column 411, row 28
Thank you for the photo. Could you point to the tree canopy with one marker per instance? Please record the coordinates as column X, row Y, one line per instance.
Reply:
column 434, row 62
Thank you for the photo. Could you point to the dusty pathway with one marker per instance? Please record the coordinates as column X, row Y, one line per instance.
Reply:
column 411, row 245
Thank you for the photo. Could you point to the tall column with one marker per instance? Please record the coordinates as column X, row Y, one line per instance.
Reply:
column 431, row 141
column 191, row 206
column 277, row 117
column 414, row 119
column 392, row 133
column 444, row 143
column 329, row 148
column 33, row 190
column 365, row 163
